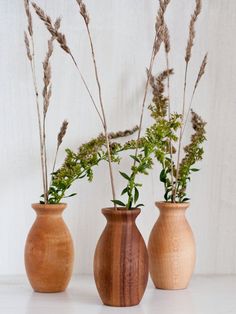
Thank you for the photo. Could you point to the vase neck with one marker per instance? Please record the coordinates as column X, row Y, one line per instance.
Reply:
column 120, row 215
column 49, row 209
column 172, row 209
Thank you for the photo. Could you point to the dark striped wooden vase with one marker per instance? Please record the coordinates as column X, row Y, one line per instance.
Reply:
column 121, row 259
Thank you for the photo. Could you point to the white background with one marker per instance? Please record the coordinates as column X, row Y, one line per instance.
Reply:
column 123, row 33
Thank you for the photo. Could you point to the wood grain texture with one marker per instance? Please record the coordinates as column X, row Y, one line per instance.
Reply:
column 49, row 251
column 171, row 248
column 121, row 260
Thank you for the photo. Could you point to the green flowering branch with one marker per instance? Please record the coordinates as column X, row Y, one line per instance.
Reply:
column 79, row 165
column 142, row 165
column 163, row 133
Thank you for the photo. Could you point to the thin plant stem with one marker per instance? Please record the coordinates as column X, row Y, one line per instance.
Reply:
column 61, row 39
column 55, row 159
column 32, row 64
column 199, row 76
column 45, row 156
column 87, row 88
column 181, row 130
column 156, row 46
column 169, row 115
column 103, row 114
column 144, row 98
column 188, row 112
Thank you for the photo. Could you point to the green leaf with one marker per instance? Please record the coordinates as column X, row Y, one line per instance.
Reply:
column 136, row 194
column 135, row 158
column 117, row 202
column 146, row 150
column 139, row 205
column 185, row 199
column 73, row 194
column 124, row 191
column 82, row 176
column 166, row 195
column 124, row 175
column 194, row 169
column 163, row 176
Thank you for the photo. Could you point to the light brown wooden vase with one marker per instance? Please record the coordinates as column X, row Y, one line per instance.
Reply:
column 171, row 248
column 121, row 259
column 49, row 252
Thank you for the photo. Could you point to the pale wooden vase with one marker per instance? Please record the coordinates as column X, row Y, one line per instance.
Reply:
column 49, row 252
column 171, row 248
column 121, row 259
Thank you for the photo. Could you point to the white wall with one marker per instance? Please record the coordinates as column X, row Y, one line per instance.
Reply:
column 123, row 34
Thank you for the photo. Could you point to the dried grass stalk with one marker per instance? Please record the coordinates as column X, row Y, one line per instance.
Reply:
column 30, row 55
column 158, row 83
column 160, row 25
column 201, row 72
column 62, row 133
column 29, row 17
column 159, row 34
column 199, row 76
column 47, row 92
column 27, row 45
column 166, row 41
column 115, row 135
column 166, row 38
column 47, row 89
column 188, row 54
column 47, row 77
column 60, row 137
column 84, row 13
column 192, row 32
column 52, row 28
column 61, row 39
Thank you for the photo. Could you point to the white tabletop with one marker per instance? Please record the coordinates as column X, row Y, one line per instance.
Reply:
column 205, row 295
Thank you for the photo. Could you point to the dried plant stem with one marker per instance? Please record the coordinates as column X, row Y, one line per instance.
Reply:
column 61, row 39
column 55, row 159
column 103, row 113
column 181, row 130
column 42, row 148
column 46, row 101
column 200, row 74
column 169, row 116
column 45, row 157
column 87, row 88
column 149, row 71
column 159, row 34
column 188, row 112
column 31, row 56
column 168, row 84
column 60, row 137
column 188, row 54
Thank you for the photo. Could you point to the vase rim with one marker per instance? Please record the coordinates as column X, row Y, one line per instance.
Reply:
column 121, row 210
column 49, row 206
column 172, row 205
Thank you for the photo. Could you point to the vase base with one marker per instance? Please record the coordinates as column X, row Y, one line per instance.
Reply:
column 121, row 305
column 171, row 288
column 49, row 290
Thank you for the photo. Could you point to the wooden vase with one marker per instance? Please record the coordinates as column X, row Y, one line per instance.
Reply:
column 121, row 259
column 171, row 248
column 49, row 252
